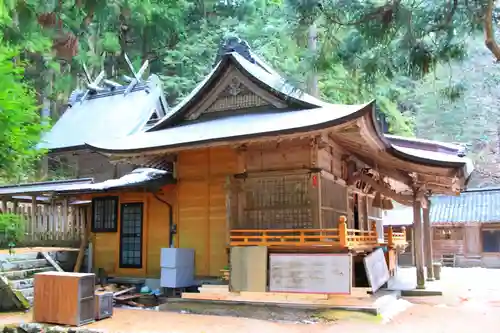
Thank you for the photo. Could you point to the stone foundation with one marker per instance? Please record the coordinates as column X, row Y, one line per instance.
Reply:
column 44, row 328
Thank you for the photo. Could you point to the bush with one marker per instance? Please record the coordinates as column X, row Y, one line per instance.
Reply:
column 11, row 230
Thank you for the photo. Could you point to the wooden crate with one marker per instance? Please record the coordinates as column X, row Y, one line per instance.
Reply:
column 103, row 305
column 64, row 298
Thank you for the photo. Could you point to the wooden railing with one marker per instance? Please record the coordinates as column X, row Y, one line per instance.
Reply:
column 394, row 238
column 340, row 237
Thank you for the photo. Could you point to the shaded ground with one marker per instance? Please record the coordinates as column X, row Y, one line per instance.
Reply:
column 471, row 302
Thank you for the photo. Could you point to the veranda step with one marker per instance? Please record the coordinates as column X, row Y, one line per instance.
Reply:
column 18, row 265
column 25, row 273
column 22, row 284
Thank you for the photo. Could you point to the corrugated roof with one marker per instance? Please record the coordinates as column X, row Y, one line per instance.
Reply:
column 479, row 205
column 471, row 206
column 102, row 117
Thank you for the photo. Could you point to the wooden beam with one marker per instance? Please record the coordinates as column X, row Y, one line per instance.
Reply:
column 419, row 250
column 428, row 242
column 85, row 239
column 401, row 198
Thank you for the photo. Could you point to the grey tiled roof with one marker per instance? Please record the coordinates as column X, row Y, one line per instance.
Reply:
column 475, row 205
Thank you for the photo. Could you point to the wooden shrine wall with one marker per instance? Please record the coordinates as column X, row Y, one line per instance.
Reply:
column 155, row 229
column 201, row 209
column 85, row 164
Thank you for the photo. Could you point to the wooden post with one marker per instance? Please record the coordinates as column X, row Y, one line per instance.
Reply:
column 33, row 217
column 428, row 242
column 389, row 237
column 229, row 221
column 85, row 238
column 343, row 232
column 419, row 249
column 374, row 230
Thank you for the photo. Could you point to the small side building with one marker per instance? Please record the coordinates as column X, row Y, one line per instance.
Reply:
column 105, row 112
column 465, row 228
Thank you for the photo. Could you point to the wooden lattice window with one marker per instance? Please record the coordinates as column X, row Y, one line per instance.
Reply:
column 282, row 202
column 105, row 214
column 333, row 202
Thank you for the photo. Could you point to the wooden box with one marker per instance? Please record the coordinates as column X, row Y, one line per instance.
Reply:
column 64, row 298
column 103, row 305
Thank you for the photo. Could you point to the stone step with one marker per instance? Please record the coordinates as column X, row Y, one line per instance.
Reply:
column 28, row 292
column 18, row 265
column 26, row 273
column 22, row 284
column 19, row 256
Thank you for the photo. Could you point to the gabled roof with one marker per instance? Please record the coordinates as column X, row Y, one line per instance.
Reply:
column 253, row 68
column 235, row 127
column 104, row 116
column 353, row 127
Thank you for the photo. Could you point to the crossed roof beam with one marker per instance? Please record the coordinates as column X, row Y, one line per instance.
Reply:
column 96, row 85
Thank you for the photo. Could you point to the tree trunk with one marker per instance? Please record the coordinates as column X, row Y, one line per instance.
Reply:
column 489, row 33
column 312, row 82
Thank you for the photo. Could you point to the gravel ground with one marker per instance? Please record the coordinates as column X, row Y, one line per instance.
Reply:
column 471, row 301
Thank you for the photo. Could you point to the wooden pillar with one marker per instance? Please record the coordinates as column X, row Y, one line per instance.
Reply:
column 343, row 238
column 419, row 248
column 428, row 241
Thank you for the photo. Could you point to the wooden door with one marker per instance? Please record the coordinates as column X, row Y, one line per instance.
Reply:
column 472, row 240
column 131, row 235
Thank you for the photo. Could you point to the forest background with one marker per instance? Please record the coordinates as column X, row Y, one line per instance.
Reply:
column 431, row 65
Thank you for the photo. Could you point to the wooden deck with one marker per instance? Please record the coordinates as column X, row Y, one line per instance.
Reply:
column 337, row 238
column 395, row 239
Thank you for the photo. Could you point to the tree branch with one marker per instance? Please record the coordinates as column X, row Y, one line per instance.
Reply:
column 447, row 20
column 379, row 13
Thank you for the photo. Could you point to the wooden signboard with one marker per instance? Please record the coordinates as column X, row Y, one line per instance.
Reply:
column 310, row 273
column 376, row 269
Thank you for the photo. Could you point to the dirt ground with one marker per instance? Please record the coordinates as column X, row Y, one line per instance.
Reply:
column 471, row 301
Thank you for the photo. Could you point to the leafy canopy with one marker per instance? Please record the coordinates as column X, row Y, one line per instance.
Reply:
column 20, row 124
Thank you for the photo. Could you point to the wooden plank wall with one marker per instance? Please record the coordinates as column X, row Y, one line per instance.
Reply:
column 472, row 242
column 156, row 231
column 289, row 155
column 51, row 225
column 201, row 179
column 87, row 164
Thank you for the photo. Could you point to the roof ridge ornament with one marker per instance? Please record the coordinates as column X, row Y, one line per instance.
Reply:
column 237, row 45
column 137, row 75
column 92, row 85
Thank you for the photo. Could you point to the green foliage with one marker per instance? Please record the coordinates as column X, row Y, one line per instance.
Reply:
column 366, row 49
column 20, row 126
column 458, row 102
column 12, row 229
